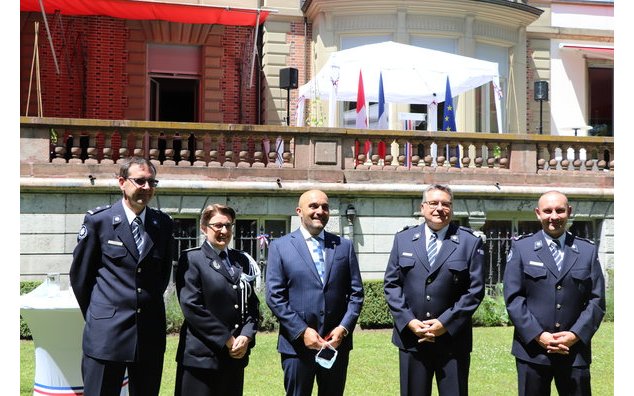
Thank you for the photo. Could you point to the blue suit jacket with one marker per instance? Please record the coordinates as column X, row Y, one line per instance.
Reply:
column 540, row 298
column 119, row 291
column 450, row 291
column 297, row 297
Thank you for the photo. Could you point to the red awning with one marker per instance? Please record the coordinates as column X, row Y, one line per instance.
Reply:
column 150, row 10
column 590, row 51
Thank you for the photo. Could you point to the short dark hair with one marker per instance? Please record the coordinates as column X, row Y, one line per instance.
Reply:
column 212, row 210
column 438, row 187
column 128, row 162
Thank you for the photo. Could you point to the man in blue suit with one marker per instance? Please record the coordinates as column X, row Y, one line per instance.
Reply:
column 433, row 284
column 314, row 288
column 121, row 267
column 555, row 296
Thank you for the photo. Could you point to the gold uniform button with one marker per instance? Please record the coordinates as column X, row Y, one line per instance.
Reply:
column 557, row 325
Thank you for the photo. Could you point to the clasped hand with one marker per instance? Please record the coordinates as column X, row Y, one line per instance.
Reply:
column 557, row 342
column 426, row 330
column 238, row 346
column 313, row 340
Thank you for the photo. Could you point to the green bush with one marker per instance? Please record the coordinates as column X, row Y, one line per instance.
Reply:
column 375, row 313
column 26, row 287
column 268, row 321
column 173, row 312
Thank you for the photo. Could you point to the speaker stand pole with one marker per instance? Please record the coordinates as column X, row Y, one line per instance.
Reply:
column 288, row 107
column 541, row 101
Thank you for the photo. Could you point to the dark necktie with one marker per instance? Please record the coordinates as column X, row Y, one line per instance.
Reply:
column 137, row 232
column 225, row 260
column 556, row 251
column 432, row 249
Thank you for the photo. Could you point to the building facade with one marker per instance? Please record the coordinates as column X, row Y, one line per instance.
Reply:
column 204, row 101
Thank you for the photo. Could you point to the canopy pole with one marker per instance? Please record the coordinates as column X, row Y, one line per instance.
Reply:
column 255, row 48
column 50, row 39
column 28, row 96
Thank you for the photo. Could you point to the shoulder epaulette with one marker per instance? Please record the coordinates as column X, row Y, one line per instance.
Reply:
column 192, row 249
column 469, row 230
column 159, row 211
column 518, row 237
column 585, row 239
column 405, row 228
column 97, row 209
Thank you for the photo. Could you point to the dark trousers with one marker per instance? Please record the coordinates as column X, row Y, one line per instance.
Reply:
column 105, row 378
column 536, row 379
column 193, row 381
column 300, row 374
column 417, row 372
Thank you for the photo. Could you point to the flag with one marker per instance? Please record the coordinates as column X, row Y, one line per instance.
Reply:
column 279, row 150
column 368, row 150
column 408, row 155
column 382, row 122
column 362, row 118
column 449, row 118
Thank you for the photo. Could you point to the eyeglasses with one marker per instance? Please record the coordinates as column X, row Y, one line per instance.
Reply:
column 140, row 181
column 438, row 204
column 219, row 226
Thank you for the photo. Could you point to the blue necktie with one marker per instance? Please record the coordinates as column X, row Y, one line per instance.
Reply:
column 318, row 257
column 432, row 249
column 137, row 232
column 556, row 251
column 225, row 260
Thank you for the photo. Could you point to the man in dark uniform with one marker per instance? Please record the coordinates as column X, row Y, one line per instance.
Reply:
column 555, row 296
column 121, row 267
column 433, row 285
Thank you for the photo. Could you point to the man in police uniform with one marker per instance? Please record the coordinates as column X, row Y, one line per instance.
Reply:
column 555, row 296
column 119, row 272
column 433, row 284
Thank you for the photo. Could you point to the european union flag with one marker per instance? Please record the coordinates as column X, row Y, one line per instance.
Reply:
column 449, row 118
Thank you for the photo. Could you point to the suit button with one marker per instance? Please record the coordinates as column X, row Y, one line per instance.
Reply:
column 235, row 326
column 138, row 270
column 236, row 306
column 234, row 287
column 428, row 298
column 558, row 287
column 557, row 325
column 558, row 306
column 138, row 290
column 428, row 315
column 138, row 310
column 428, row 280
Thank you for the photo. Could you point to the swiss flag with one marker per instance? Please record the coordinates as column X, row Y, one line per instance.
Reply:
column 362, row 117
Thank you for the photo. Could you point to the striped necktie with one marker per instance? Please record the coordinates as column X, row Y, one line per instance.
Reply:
column 432, row 248
column 556, row 251
column 137, row 232
column 318, row 257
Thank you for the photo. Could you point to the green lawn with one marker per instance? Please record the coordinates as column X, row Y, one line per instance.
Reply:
column 373, row 368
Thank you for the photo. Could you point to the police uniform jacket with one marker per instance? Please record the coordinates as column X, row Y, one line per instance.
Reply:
column 297, row 297
column 119, row 290
column 211, row 300
column 450, row 291
column 541, row 298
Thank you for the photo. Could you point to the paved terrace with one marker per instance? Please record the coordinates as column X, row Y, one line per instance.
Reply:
column 58, row 153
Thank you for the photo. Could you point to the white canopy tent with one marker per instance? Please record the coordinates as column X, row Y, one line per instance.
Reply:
column 410, row 75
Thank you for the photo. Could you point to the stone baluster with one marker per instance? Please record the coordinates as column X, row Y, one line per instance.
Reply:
column 135, row 140
column 466, row 158
column 565, row 162
column 75, row 150
column 258, row 159
column 361, row 164
column 479, row 159
column 491, row 147
column 541, row 160
column 504, row 155
column 243, row 159
column 214, row 154
column 576, row 162
column 58, row 149
column 389, row 158
column 375, row 162
column 552, row 164
column 107, row 152
column 199, row 152
column 287, row 157
column 441, row 150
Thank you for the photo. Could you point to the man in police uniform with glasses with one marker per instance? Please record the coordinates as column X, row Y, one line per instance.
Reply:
column 433, row 284
column 121, row 267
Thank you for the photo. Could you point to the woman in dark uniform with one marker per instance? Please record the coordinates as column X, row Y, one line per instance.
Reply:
column 215, row 286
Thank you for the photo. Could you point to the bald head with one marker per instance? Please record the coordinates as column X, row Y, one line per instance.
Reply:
column 553, row 212
column 313, row 210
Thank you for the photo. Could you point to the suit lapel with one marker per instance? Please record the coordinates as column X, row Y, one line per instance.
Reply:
column 215, row 262
column 571, row 254
column 151, row 232
column 297, row 239
column 543, row 252
column 122, row 229
column 331, row 243
column 420, row 246
column 447, row 247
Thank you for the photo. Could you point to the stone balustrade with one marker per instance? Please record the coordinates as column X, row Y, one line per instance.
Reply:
column 353, row 154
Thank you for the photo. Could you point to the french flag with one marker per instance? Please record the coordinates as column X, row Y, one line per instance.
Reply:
column 382, row 122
